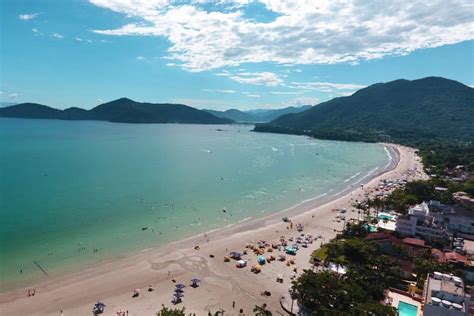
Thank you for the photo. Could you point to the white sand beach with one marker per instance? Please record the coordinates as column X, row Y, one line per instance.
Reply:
column 113, row 281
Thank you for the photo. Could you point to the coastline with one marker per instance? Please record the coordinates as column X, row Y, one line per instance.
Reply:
column 113, row 279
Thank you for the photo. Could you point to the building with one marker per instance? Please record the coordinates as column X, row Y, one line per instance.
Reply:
column 463, row 198
column 444, row 295
column 409, row 225
column 422, row 222
column 460, row 221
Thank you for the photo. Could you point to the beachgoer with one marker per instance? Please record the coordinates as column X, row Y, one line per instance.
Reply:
column 233, row 304
column 61, row 313
column 29, row 293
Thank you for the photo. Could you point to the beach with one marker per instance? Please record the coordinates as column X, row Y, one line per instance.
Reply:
column 222, row 284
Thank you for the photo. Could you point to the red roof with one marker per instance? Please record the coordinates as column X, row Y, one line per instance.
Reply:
column 456, row 257
column 414, row 242
column 439, row 255
column 380, row 237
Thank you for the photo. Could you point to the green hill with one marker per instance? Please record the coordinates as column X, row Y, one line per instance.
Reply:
column 122, row 110
column 258, row 115
column 401, row 111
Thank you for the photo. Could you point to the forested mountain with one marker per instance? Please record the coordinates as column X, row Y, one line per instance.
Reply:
column 403, row 111
column 121, row 110
column 258, row 115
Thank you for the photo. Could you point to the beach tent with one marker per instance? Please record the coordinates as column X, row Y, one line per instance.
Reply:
column 195, row 282
column 279, row 278
column 235, row 255
column 256, row 268
column 98, row 308
column 261, row 259
column 290, row 250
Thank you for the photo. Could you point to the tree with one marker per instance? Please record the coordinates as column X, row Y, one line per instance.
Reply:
column 375, row 309
column 326, row 292
column 165, row 311
column 262, row 310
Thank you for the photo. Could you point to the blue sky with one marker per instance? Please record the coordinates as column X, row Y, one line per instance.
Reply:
column 225, row 54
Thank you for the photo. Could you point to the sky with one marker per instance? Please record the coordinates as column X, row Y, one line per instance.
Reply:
column 226, row 54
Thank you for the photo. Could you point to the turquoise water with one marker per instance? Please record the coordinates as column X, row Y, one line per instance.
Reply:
column 405, row 309
column 68, row 188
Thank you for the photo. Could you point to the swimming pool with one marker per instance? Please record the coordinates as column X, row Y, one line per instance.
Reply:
column 405, row 309
column 386, row 216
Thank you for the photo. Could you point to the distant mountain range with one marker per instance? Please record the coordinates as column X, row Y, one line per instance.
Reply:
column 259, row 115
column 401, row 111
column 122, row 110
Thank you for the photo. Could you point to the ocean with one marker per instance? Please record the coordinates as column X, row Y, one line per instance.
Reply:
column 74, row 193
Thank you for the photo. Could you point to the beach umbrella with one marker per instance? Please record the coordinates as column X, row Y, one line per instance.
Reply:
column 195, row 280
column 180, row 286
column 136, row 291
column 99, row 304
column 178, row 295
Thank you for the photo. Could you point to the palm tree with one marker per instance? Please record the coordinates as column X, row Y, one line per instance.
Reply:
column 262, row 310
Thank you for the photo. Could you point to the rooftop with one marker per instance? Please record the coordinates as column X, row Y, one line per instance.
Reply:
column 414, row 242
column 445, row 289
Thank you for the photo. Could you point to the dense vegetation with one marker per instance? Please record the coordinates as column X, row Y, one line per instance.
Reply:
column 441, row 158
column 401, row 111
column 356, row 292
column 122, row 110
column 424, row 190
column 259, row 115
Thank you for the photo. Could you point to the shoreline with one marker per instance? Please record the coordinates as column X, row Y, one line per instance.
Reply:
column 151, row 264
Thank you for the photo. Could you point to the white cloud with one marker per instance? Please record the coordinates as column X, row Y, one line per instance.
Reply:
column 221, row 91
column 257, row 78
column 26, row 17
column 1, row 92
column 78, row 39
column 13, row 95
column 328, row 87
column 147, row 59
column 305, row 31
column 37, row 32
column 170, row 64
column 303, row 101
column 57, row 35
column 284, row 92
column 253, row 95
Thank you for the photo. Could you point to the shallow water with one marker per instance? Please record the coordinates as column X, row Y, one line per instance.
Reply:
column 68, row 188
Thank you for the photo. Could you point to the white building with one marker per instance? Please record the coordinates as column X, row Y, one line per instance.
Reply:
column 460, row 221
column 444, row 295
column 420, row 222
